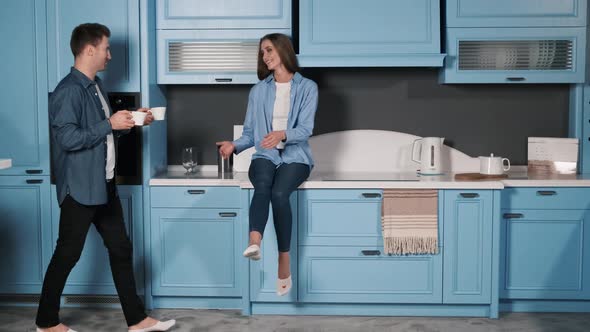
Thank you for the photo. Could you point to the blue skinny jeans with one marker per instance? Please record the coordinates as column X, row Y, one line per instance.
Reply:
column 274, row 185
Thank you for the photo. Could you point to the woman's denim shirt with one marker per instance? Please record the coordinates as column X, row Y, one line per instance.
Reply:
column 258, row 123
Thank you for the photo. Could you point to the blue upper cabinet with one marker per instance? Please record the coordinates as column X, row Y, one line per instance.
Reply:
column 515, row 55
column 213, row 41
column 23, row 96
column 340, row 33
column 224, row 14
column 515, row 41
column 121, row 17
column 516, row 13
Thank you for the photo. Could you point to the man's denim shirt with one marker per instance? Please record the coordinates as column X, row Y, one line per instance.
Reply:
column 258, row 123
column 79, row 132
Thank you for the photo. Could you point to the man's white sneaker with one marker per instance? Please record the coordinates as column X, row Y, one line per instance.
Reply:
column 159, row 326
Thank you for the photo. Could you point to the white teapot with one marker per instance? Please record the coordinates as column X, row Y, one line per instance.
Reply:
column 493, row 165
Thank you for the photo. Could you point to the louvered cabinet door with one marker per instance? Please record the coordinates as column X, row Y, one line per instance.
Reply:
column 208, row 56
column 515, row 55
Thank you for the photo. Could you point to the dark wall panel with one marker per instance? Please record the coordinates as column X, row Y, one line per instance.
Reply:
column 476, row 119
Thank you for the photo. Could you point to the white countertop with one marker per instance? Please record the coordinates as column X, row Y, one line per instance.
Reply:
column 343, row 180
column 5, row 163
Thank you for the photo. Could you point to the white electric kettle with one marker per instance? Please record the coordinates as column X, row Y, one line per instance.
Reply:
column 430, row 158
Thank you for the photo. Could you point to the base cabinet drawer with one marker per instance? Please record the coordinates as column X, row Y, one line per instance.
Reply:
column 541, row 198
column 340, row 217
column 545, row 254
column 195, row 197
column 365, row 275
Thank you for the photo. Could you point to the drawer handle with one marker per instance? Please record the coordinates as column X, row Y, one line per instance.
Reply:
column 371, row 252
column 33, row 171
column 513, row 215
column 196, row 192
column 227, row 214
column 515, row 79
column 223, row 80
column 546, row 192
column 34, row 181
column 371, row 195
column 469, row 195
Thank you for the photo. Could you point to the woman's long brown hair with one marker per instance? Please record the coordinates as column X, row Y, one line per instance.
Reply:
column 284, row 48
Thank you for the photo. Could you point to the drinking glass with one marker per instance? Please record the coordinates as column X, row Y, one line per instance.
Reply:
column 189, row 158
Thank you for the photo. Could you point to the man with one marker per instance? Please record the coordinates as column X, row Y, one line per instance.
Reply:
column 83, row 139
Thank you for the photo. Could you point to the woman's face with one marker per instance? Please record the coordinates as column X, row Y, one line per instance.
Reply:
column 270, row 56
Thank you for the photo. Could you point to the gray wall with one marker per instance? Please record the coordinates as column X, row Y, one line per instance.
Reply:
column 476, row 119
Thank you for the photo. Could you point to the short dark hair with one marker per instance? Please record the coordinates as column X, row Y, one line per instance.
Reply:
column 284, row 48
column 87, row 34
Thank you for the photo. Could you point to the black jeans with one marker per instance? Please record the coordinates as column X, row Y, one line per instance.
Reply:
column 272, row 184
column 74, row 223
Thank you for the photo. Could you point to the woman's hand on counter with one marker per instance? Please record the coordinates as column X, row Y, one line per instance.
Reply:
column 226, row 148
column 272, row 139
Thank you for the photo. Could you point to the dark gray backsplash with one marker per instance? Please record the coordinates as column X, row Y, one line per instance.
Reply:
column 476, row 119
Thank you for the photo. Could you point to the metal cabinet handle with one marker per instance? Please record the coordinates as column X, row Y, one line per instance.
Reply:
column 469, row 195
column 227, row 214
column 33, row 171
column 513, row 215
column 223, row 80
column 546, row 192
column 515, row 79
column 371, row 195
column 34, row 181
column 371, row 252
column 196, row 192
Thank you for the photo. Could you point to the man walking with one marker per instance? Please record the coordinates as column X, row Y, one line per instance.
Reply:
column 83, row 146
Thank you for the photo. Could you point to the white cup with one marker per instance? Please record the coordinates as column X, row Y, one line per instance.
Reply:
column 138, row 117
column 159, row 113
column 493, row 165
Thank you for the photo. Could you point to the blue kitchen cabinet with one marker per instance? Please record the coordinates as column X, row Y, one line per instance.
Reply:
column 515, row 41
column 515, row 55
column 515, row 13
column 545, row 244
column 215, row 42
column 349, row 274
column 209, row 56
column 92, row 273
column 121, row 17
column 340, row 217
column 468, row 219
column 341, row 257
column 372, row 33
column 24, row 131
column 195, row 234
column 226, row 14
column 264, row 272
column 25, row 233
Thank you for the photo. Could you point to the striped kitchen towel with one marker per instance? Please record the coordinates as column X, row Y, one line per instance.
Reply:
column 409, row 221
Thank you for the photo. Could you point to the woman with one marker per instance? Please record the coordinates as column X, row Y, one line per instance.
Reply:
column 279, row 122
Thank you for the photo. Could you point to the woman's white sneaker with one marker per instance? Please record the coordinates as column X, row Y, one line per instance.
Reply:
column 284, row 286
column 252, row 252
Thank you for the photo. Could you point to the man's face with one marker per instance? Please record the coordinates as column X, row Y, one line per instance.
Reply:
column 101, row 54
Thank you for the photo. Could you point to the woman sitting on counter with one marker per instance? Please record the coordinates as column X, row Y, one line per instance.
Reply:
column 279, row 122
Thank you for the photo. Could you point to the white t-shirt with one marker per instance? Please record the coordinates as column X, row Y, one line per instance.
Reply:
column 110, row 167
column 282, row 106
